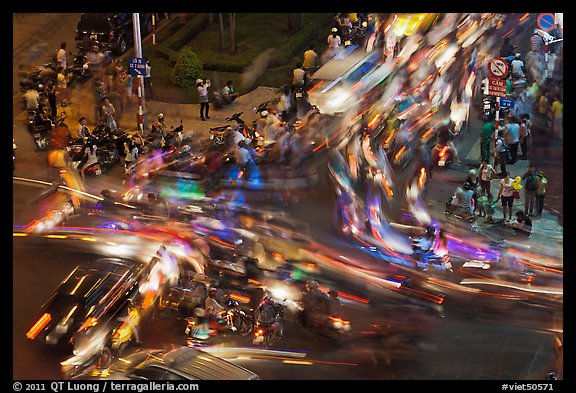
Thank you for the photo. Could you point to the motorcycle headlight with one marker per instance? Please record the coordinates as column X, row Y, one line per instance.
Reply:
column 338, row 325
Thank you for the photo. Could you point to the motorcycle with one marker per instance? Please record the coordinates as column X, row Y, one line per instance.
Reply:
column 218, row 136
column 270, row 333
column 80, row 71
column 443, row 155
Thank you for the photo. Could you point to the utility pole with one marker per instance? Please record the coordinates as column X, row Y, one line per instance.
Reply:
column 142, row 117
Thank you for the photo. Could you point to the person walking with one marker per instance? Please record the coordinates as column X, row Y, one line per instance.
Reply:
column 204, row 101
column 543, row 110
column 148, row 92
column 50, row 90
column 486, row 135
column 487, row 172
column 556, row 114
column 541, row 183
column 530, row 178
column 506, row 195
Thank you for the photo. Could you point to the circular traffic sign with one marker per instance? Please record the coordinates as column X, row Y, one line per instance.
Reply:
column 546, row 22
column 498, row 67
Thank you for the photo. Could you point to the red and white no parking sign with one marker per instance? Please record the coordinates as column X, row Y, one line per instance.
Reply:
column 498, row 68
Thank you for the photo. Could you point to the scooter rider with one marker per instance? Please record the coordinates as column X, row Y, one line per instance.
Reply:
column 211, row 305
column 312, row 301
column 423, row 245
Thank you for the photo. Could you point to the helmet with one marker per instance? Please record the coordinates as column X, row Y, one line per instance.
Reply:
column 364, row 24
column 334, row 30
column 430, row 230
column 517, row 55
column 312, row 285
column 264, row 113
column 212, row 291
column 105, row 192
column 160, row 116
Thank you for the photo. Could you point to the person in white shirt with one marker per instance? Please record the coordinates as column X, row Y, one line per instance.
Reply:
column 334, row 44
column 518, row 68
column 203, row 94
column 61, row 56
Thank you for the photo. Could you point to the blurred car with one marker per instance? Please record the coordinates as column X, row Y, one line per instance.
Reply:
column 93, row 294
column 182, row 363
column 114, row 32
column 331, row 87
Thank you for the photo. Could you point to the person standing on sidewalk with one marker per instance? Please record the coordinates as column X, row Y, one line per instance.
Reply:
column 487, row 172
column 204, row 101
column 486, row 135
column 501, row 153
column 513, row 138
column 525, row 135
column 506, row 195
column 530, row 178
column 541, row 183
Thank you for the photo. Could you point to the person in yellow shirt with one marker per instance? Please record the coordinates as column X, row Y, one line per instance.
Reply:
column 556, row 114
column 310, row 59
column 541, row 122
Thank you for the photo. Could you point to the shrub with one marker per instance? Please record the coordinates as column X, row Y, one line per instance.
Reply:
column 188, row 68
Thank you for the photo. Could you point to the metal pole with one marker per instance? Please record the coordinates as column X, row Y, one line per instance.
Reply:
column 140, row 80
column 153, row 29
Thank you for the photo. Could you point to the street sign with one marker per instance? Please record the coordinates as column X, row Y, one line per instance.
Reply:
column 506, row 103
column 545, row 22
column 137, row 66
column 498, row 68
column 497, row 87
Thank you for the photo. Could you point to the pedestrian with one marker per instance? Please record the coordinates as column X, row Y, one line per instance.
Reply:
column 82, row 130
column 536, row 42
column 487, row 172
column 490, row 209
column 501, row 153
column 556, row 114
column 507, row 49
column 148, row 92
column 482, row 203
column 284, row 106
column 131, row 155
column 90, row 158
column 298, row 77
column 486, row 136
column 203, row 94
column 513, row 137
column 334, row 44
column 530, row 178
column 506, row 195
column 310, row 59
column 523, row 224
column 543, row 111
column 100, row 93
column 472, row 184
column 541, row 183
column 525, row 135
column 61, row 55
column 50, row 90
column 108, row 114
column 62, row 79
column 228, row 92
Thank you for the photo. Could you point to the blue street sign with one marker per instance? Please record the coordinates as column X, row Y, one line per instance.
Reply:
column 545, row 21
column 137, row 66
column 506, row 103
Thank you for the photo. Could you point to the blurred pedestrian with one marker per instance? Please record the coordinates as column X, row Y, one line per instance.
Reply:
column 472, row 184
column 284, row 106
column 61, row 55
column 62, row 80
column 108, row 114
column 131, row 150
column 506, row 195
column 203, row 96
column 543, row 111
column 82, row 130
column 541, row 184
column 50, row 91
column 486, row 137
column 100, row 93
column 525, row 135
column 530, row 178
column 513, row 137
column 556, row 114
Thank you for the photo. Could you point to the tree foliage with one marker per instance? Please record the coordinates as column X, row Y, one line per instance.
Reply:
column 187, row 69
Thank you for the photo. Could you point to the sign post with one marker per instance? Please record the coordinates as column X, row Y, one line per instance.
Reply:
column 141, row 118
